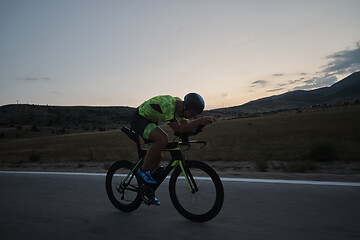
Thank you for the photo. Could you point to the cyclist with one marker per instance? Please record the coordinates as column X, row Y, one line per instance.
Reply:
column 173, row 111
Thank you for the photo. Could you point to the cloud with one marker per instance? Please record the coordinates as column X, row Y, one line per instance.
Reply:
column 218, row 96
column 30, row 79
column 290, row 82
column 344, row 62
column 317, row 82
column 240, row 43
column 295, row 81
column 275, row 90
column 259, row 83
column 33, row 79
column 340, row 63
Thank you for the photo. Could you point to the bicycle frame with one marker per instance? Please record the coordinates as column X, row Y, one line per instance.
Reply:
column 177, row 158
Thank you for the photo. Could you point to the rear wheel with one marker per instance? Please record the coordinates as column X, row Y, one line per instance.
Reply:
column 122, row 187
column 201, row 198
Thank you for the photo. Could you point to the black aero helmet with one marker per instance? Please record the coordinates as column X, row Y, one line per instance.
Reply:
column 194, row 103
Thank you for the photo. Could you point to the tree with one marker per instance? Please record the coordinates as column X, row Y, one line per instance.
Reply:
column 35, row 129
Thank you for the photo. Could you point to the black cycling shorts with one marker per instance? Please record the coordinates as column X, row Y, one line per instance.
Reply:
column 141, row 125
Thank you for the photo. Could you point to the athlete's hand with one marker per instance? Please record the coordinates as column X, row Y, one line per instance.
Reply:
column 205, row 120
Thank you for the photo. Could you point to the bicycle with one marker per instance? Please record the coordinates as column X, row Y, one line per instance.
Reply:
column 196, row 190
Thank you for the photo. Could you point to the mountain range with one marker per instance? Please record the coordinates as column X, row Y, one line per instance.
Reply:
column 345, row 90
column 88, row 118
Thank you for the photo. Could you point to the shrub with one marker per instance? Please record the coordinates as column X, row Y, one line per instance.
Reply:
column 261, row 165
column 324, row 152
column 107, row 166
column 299, row 167
column 92, row 156
column 101, row 129
column 80, row 165
column 35, row 129
column 34, row 157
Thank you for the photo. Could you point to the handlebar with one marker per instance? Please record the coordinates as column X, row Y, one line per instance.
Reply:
column 185, row 137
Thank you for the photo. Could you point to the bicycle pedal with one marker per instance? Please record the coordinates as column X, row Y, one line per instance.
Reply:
column 147, row 194
column 147, row 202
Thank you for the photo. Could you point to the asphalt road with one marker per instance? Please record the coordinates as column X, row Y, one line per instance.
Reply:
column 34, row 206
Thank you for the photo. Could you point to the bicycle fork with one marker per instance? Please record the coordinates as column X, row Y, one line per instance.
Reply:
column 189, row 178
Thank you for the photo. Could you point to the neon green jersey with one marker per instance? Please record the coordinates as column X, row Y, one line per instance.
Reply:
column 160, row 109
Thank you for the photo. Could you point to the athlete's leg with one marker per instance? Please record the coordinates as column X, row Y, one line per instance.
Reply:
column 153, row 156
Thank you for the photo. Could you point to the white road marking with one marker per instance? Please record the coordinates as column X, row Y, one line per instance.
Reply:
column 224, row 179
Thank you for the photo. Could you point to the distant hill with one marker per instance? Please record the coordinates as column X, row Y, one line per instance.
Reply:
column 347, row 89
column 86, row 118
column 91, row 118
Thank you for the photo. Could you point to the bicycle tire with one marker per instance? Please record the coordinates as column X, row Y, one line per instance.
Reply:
column 207, row 182
column 126, row 198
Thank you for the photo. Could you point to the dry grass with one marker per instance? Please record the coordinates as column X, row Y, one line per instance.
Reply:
column 84, row 147
column 297, row 140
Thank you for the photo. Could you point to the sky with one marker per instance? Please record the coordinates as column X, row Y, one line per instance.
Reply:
column 121, row 53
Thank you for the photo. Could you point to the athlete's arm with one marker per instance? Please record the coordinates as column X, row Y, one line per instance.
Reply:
column 186, row 126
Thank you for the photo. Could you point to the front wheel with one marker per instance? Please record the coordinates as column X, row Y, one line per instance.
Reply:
column 122, row 186
column 196, row 191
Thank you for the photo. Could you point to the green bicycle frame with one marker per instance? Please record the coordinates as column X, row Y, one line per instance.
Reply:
column 177, row 159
